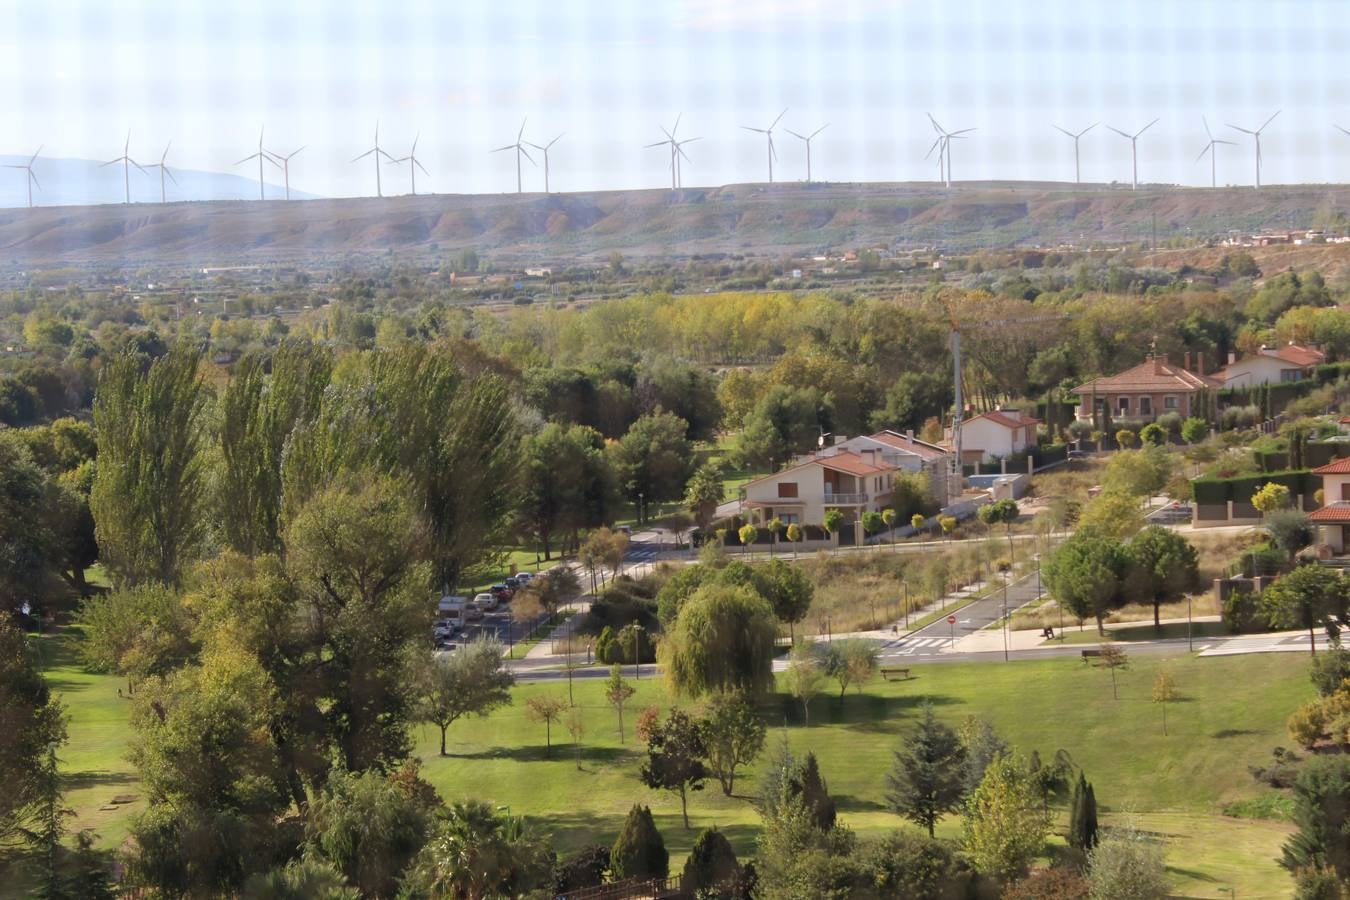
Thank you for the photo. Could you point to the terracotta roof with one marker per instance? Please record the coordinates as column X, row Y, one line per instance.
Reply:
column 1297, row 355
column 1001, row 418
column 1150, row 376
column 1332, row 513
column 919, row 448
column 841, row 461
column 1335, row 467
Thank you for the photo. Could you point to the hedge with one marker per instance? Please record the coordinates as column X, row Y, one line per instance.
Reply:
column 1240, row 488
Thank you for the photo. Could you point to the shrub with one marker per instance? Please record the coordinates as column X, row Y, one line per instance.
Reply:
column 711, row 866
column 1170, row 422
column 639, row 851
column 1241, row 612
column 1125, row 438
column 583, row 869
column 907, row 863
column 1049, row 884
column 1308, row 724
column 604, row 644
column 1330, row 668
column 1153, row 434
column 1194, row 430
column 1127, row 864
column 1239, row 417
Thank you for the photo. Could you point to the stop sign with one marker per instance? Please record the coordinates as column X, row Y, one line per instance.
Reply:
column 951, row 620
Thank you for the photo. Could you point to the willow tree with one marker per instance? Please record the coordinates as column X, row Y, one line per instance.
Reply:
column 722, row 640
column 259, row 410
column 150, row 485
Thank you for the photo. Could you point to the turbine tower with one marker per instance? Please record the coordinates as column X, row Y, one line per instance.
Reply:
column 260, row 156
column 680, row 154
column 285, row 163
column 768, row 133
column 1257, row 135
column 127, row 162
column 940, row 145
column 944, row 142
column 163, row 171
column 1209, row 148
column 415, row 165
column 674, row 148
column 520, row 151
column 807, row 138
column 378, row 152
column 29, row 178
column 1134, row 151
column 544, row 150
column 1077, row 173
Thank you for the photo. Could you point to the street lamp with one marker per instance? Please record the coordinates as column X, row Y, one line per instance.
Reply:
column 1005, row 615
column 637, row 659
column 905, row 585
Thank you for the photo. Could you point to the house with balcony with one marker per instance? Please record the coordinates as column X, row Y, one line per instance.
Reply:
column 994, row 435
column 1332, row 519
column 1143, row 393
column 906, row 453
column 852, row 483
column 1271, row 365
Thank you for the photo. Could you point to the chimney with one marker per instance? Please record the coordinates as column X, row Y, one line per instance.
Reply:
column 1200, row 362
column 909, row 434
column 1157, row 365
column 1232, row 357
column 1187, row 364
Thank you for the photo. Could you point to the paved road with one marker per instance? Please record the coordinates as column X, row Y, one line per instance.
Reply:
column 939, row 636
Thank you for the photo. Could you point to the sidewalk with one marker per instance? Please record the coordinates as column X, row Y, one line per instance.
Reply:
column 991, row 639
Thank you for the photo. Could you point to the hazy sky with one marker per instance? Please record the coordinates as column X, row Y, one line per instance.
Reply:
column 78, row 73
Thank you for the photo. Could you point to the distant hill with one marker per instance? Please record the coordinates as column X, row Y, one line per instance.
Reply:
column 752, row 219
column 80, row 182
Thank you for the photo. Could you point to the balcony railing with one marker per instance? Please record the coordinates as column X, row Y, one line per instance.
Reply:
column 845, row 499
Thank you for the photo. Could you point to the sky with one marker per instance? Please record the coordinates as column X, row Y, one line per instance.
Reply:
column 609, row 74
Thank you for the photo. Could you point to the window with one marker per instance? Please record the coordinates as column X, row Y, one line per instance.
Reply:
column 1169, row 403
column 1345, row 491
column 1145, row 406
column 789, row 519
column 1124, row 406
column 1288, row 375
column 787, row 488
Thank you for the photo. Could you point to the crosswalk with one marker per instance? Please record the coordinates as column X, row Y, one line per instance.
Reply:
column 1281, row 643
column 914, row 646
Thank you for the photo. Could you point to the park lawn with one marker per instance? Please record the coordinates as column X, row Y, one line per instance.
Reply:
column 1175, row 785
column 1141, row 632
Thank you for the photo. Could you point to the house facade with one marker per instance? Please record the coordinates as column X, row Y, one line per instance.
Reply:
column 853, row 483
column 1143, row 393
column 908, row 454
column 1333, row 517
column 1272, row 365
column 991, row 436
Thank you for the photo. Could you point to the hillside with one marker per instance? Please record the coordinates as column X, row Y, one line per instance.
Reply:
column 751, row 219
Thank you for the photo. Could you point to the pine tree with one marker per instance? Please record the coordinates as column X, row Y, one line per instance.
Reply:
column 816, row 794
column 711, row 866
column 926, row 779
column 639, row 851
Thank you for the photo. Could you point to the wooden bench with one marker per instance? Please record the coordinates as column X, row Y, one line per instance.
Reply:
column 901, row 673
column 1088, row 654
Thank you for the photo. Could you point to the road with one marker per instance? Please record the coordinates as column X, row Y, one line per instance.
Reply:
column 932, row 639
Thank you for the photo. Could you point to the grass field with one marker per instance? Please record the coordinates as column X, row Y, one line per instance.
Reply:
column 1175, row 786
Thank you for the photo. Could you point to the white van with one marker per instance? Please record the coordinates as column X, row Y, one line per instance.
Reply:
column 451, row 608
column 486, row 601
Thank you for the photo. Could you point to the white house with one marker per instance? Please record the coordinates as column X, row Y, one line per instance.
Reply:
column 1272, row 365
column 997, row 434
column 853, row 483
column 907, row 453
column 1333, row 518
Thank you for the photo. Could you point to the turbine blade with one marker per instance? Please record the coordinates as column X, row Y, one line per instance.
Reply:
column 34, row 177
column 749, row 128
column 1229, row 143
column 1207, row 132
column 772, row 151
column 820, row 129
column 165, row 154
column 1239, row 128
column 645, row 146
column 1207, row 149
column 534, row 145
column 795, row 134
column 936, row 126
column 932, row 148
column 961, row 132
column 35, row 155
column 521, row 133
column 780, row 116
column 358, row 159
column 1118, row 131
column 676, row 126
column 1147, row 127
column 1064, row 131
column 507, row 147
column 554, row 141
column 669, row 135
column 420, row 166
column 689, row 141
column 528, row 156
column 416, row 138
column 137, row 165
column 255, row 156
column 1340, row 129
column 1268, row 121
column 119, row 159
column 1086, row 130
column 680, row 150
column 293, row 152
column 169, row 172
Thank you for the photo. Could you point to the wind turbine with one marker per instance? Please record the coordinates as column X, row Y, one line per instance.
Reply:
column 807, row 138
column 29, row 179
column 415, row 165
column 520, row 151
column 544, row 149
column 674, row 148
column 1077, row 178
column 285, row 163
column 768, row 133
column 163, row 170
column 1209, row 148
column 680, row 154
column 378, row 152
column 940, row 145
column 1134, row 151
column 260, row 156
column 127, row 162
column 1256, row 134
column 945, row 143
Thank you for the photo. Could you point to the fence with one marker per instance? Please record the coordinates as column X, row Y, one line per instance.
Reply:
column 633, row 889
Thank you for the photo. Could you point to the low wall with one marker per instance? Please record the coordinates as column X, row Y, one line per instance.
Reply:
column 1232, row 512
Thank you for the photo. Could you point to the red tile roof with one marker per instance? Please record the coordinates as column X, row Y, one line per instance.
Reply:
column 841, row 461
column 919, row 448
column 1335, row 467
column 1152, row 376
column 1001, row 418
column 1297, row 355
column 1332, row 513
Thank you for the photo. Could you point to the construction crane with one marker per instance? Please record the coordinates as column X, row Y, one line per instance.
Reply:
column 960, row 411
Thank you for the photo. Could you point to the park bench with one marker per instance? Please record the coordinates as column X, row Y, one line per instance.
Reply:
column 1088, row 654
column 901, row 673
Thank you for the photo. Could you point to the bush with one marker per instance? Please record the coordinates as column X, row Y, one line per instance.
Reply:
column 1241, row 613
column 711, row 867
column 1153, row 434
column 1239, row 417
column 1308, row 724
column 639, row 851
column 1330, row 668
column 1049, row 884
column 604, row 644
column 583, row 869
column 1127, row 865
column 1125, row 438
column 912, row 865
column 1170, row 422
column 1317, row 883
column 1194, row 430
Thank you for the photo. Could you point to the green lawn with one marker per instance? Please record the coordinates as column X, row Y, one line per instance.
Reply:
column 1175, row 785
column 1141, row 632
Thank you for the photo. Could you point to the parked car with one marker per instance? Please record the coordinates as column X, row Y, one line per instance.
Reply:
column 486, row 601
column 502, row 592
column 525, row 578
column 472, row 612
column 514, row 582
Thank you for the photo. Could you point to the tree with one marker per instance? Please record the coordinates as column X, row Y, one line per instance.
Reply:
column 1289, row 529
column 833, row 521
column 26, row 539
column 784, row 420
column 872, row 522
column 982, row 744
column 1152, row 435
column 815, row 794
column 947, row 524
column 566, row 482
column 788, row 589
column 797, row 859
column 150, row 484
column 925, row 781
column 852, row 661
column 476, row 851
column 137, row 632
column 34, row 727
column 1164, row 692
column 748, row 535
column 1163, row 563
column 639, row 851
column 1194, row 430
column 1113, row 657
column 1127, row 864
column 1112, row 514
column 806, row 676
column 1084, row 575
column 617, row 693
column 904, row 863
column 300, row 879
column 553, row 589
column 703, row 493
column 723, row 639
column 1125, row 438
column 1270, row 497
column 733, row 736
column 1006, row 825
column 711, row 868
column 547, row 710
column 1082, row 834
column 369, row 827
column 1321, row 817
column 1001, row 512
column 1307, row 597
column 653, row 460
column 794, row 534
column 675, row 754
column 473, row 681
column 888, row 518
column 917, row 521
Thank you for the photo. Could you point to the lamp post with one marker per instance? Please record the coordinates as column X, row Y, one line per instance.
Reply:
column 1005, row 615
column 637, row 659
column 639, row 509
column 1190, row 640
column 905, row 585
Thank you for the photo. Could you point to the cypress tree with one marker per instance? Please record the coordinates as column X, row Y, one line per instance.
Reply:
column 711, row 865
column 639, row 851
column 1083, row 816
column 816, row 794
column 1076, row 814
column 1090, row 818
